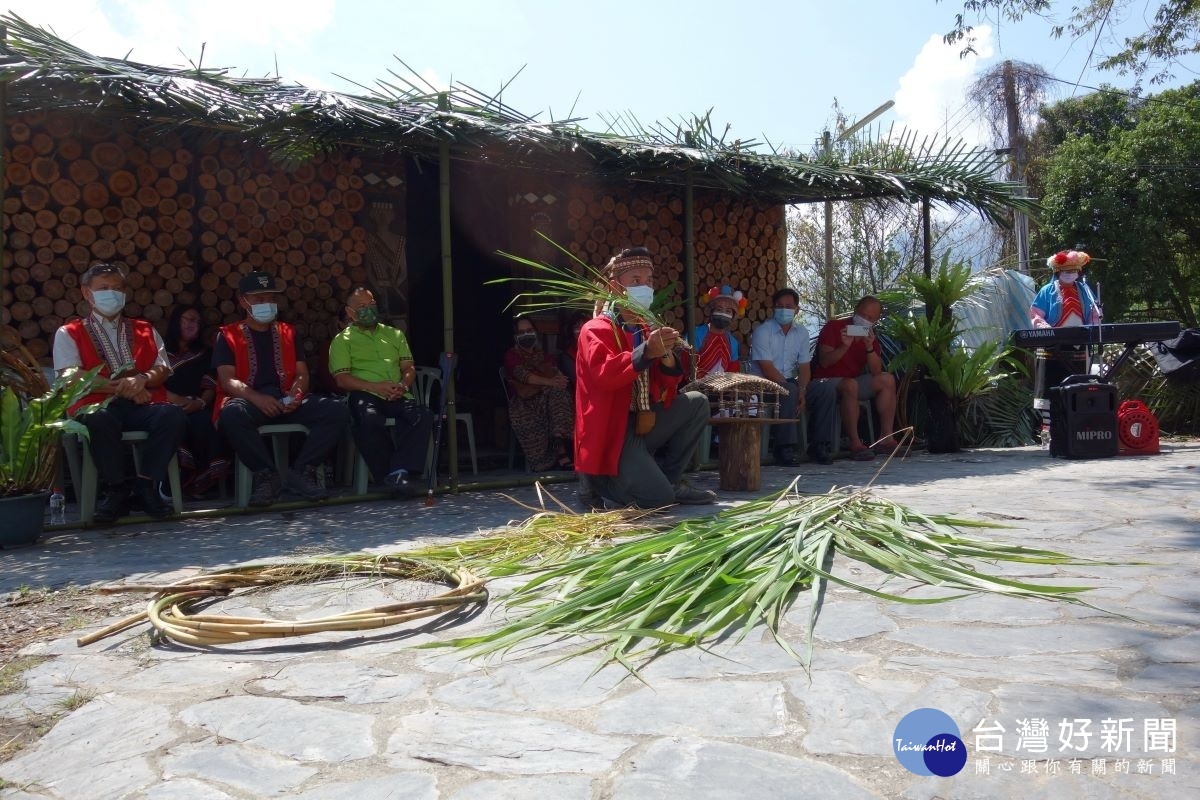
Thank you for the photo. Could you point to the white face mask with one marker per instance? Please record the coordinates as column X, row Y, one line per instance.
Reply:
column 108, row 302
column 1068, row 277
column 642, row 295
column 859, row 319
column 263, row 312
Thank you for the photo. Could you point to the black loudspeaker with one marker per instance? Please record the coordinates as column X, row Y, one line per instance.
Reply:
column 1083, row 418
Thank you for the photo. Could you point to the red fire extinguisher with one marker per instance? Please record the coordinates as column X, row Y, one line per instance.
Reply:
column 1137, row 429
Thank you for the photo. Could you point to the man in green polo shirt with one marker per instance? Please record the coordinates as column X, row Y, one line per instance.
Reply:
column 372, row 363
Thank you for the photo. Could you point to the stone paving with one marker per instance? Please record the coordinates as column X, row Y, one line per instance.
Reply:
column 368, row 716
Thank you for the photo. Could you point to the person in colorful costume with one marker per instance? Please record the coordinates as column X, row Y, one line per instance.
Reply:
column 628, row 404
column 260, row 380
column 852, row 364
column 540, row 404
column 130, row 354
column 716, row 346
column 1066, row 301
column 372, row 362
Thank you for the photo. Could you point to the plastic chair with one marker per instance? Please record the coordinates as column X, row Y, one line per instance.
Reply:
column 429, row 378
column 84, row 475
column 244, row 478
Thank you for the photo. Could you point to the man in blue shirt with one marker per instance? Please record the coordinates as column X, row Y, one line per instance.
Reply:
column 781, row 353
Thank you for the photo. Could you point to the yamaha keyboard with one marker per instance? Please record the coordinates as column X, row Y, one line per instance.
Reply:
column 1130, row 334
column 1127, row 333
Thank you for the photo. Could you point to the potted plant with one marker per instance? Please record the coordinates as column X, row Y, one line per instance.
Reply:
column 948, row 374
column 33, row 418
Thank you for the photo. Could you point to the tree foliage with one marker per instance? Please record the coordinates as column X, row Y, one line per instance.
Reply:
column 1172, row 33
column 1122, row 176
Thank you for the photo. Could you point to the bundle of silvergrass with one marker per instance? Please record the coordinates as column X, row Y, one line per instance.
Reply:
column 707, row 578
column 169, row 611
column 546, row 538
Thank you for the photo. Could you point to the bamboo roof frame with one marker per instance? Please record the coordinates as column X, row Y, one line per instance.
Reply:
column 42, row 72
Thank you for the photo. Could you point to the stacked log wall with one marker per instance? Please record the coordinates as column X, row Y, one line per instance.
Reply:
column 736, row 242
column 188, row 216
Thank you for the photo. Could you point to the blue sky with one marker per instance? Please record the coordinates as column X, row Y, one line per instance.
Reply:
column 770, row 68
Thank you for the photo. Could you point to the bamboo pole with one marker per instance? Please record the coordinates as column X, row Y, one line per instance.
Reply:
column 447, row 292
column 689, row 258
column 3, row 142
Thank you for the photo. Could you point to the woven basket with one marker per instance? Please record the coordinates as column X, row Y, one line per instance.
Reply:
column 731, row 394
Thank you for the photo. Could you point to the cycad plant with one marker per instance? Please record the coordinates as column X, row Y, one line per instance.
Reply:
column 33, row 417
column 949, row 374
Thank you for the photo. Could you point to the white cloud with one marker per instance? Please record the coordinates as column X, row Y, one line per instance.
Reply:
column 932, row 94
column 248, row 34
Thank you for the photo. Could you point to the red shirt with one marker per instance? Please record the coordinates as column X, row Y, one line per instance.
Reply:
column 852, row 363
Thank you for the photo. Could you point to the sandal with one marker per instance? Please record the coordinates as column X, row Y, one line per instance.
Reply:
column 886, row 447
column 565, row 463
column 862, row 453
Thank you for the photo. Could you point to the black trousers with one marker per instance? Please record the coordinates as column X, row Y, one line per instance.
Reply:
column 325, row 418
column 201, row 438
column 404, row 446
column 164, row 422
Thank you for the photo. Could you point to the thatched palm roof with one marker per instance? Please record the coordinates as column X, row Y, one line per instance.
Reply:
column 44, row 72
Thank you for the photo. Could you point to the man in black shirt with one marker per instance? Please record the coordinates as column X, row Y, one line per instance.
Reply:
column 261, row 380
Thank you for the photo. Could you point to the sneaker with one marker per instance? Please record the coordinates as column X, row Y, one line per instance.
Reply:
column 862, row 453
column 266, row 488
column 111, row 505
column 786, row 456
column 152, row 502
column 820, row 453
column 688, row 495
column 305, row 484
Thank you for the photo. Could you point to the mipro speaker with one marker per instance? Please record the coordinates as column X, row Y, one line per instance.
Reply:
column 1083, row 418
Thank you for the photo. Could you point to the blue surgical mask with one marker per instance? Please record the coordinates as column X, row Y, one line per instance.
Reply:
column 642, row 295
column 108, row 302
column 263, row 312
column 784, row 316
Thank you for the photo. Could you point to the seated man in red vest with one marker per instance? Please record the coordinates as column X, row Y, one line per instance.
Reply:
column 628, row 404
column 131, row 356
column 260, row 381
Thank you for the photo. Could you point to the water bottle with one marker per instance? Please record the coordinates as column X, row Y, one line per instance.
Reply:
column 58, row 507
column 1045, row 437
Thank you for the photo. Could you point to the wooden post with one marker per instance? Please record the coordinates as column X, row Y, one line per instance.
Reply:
column 3, row 142
column 689, row 259
column 827, row 142
column 740, row 469
column 447, row 292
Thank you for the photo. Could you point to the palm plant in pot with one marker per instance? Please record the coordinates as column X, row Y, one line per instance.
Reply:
column 33, row 418
column 948, row 374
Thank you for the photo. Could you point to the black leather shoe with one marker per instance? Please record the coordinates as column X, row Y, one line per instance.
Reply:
column 786, row 456
column 111, row 505
column 820, row 453
column 152, row 502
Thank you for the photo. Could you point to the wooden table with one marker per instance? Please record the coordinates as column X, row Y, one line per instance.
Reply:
column 738, row 461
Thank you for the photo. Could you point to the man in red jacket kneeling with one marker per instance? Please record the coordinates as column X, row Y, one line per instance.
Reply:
column 628, row 404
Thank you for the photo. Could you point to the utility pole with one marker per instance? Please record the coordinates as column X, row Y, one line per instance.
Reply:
column 827, row 148
column 1016, row 172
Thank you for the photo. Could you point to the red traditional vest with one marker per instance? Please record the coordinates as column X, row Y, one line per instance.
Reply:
column 245, row 358
column 142, row 345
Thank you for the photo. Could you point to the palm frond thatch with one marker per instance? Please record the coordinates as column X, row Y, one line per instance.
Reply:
column 44, row 72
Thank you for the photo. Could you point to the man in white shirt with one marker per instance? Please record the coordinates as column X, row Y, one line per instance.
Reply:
column 130, row 355
column 780, row 350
